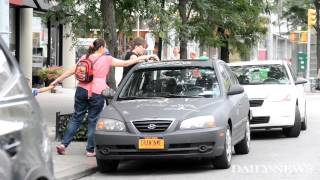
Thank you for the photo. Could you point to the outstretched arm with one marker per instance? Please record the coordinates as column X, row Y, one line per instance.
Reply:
column 66, row 74
column 44, row 89
column 124, row 63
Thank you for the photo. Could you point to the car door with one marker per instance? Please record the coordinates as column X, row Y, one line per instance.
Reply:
column 234, row 102
column 242, row 98
column 299, row 91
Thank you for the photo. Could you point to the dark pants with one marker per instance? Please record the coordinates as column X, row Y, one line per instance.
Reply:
column 82, row 104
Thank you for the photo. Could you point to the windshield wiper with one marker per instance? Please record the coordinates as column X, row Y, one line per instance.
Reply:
column 181, row 96
column 135, row 97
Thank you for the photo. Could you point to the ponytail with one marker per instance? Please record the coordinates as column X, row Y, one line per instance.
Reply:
column 95, row 46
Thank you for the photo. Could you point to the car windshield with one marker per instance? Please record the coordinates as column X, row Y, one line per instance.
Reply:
column 191, row 82
column 261, row 74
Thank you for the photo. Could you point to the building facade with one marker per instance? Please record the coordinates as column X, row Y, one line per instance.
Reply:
column 35, row 42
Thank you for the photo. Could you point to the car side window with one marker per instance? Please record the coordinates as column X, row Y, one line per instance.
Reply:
column 294, row 76
column 5, row 70
column 226, row 79
column 232, row 76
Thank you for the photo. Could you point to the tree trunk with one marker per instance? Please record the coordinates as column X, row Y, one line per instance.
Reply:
column 225, row 52
column 182, row 31
column 110, row 34
column 161, row 27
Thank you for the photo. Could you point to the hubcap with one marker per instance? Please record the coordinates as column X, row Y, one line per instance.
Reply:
column 228, row 145
column 248, row 134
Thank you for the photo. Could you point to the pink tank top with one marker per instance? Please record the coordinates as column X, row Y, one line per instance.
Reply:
column 100, row 71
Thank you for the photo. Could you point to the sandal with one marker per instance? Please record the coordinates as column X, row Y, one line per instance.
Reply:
column 91, row 154
column 61, row 149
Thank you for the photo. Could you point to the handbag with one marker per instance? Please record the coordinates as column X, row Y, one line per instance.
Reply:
column 108, row 92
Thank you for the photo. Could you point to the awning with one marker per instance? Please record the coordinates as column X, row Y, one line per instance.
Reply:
column 42, row 5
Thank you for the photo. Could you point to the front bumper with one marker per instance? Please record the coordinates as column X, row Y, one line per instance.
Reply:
column 273, row 115
column 200, row 143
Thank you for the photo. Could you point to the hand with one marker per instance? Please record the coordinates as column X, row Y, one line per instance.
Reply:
column 51, row 86
column 154, row 57
column 54, row 83
column 143, row 58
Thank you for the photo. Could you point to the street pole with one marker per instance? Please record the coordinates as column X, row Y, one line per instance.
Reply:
column 308, row 53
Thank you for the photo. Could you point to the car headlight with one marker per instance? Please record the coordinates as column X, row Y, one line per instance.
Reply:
column 198, row 122
column 110, row 125
column 280, row 97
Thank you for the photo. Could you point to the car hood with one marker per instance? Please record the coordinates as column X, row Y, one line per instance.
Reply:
column 267, row 91
column 167, row 108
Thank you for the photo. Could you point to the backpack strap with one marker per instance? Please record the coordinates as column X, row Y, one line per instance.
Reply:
column 90, row 89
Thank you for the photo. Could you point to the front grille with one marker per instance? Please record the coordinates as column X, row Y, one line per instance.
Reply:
column 260, row 120
column 255, row 103
column 152, row 125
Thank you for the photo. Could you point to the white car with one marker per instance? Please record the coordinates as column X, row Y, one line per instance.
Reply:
column 275, row 93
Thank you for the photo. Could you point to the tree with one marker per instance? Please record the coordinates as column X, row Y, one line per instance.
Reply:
column 237, row 24
column 110, row 34
column 234, row 24
column 296, row 14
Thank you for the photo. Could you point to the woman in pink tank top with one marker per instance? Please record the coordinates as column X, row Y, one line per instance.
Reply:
column 88, row 96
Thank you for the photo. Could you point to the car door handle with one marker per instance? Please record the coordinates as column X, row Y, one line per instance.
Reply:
column 12, row 147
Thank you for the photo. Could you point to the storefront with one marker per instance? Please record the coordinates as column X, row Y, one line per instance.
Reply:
column 35, row 42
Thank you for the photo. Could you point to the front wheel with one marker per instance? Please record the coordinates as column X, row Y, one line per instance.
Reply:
column 243, row 146
column 224, row 161
column 304, row 122
column 295, row 130
column 106, row 166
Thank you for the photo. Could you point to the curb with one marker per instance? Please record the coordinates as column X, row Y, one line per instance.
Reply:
column 75, row 172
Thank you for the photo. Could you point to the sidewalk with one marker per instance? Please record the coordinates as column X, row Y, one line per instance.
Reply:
column 75, row 164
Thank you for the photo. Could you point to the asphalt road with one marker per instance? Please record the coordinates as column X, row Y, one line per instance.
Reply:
column 272, row 156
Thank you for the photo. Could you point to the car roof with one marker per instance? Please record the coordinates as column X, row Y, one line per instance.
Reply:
column 265, row 62
column 178, row 63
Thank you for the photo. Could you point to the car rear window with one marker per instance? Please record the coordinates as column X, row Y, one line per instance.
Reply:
column 180, row 82
column 261, row 74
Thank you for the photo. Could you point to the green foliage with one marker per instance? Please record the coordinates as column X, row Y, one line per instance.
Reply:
column 50, row 73
column 241, row 22
column 295, row 12
column 62, row 123
column 83, row 15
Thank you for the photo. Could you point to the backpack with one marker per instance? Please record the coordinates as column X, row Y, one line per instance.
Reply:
column 84, row 70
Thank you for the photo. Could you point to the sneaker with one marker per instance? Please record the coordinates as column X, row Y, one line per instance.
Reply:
column 61, row 149
column 91, row 154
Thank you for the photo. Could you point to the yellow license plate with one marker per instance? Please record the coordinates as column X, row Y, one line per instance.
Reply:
column 151, row 143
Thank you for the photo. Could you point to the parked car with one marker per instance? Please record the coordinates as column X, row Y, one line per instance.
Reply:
column 276, row 95
column 23, row 133
column 175, row 109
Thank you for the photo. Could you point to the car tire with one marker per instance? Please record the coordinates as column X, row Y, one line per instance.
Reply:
column 304, row 125
column 224, row 161
column 295, row 130
column 304, row 122
column 105, row 166
column 243, row 147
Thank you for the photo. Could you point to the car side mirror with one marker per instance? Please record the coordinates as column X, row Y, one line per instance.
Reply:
column 108, row 93
column 300, row 81
column 235, row 89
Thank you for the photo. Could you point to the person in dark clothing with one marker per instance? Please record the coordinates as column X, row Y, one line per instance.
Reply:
column 138, row 47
